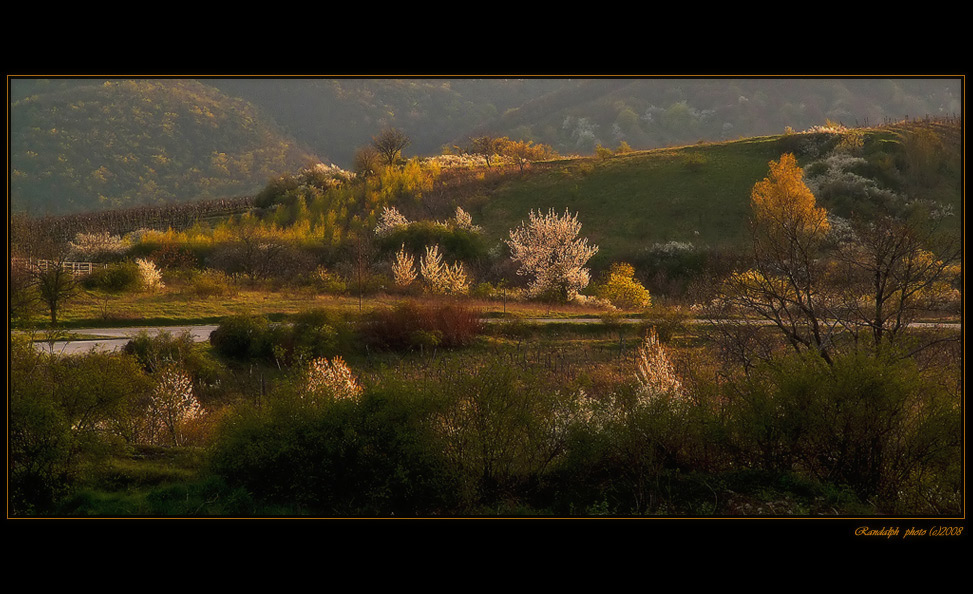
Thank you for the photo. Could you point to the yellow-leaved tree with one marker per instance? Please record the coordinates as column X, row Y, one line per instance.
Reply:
column 788, row 282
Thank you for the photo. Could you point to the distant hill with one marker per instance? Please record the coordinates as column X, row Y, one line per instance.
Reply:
column 84, row 145
column 574, row 116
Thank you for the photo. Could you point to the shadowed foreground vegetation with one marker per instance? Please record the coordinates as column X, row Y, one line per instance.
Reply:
column 513, row 419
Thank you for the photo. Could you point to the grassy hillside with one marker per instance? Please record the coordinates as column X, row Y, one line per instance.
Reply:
column 628, row 202
column 701, row 193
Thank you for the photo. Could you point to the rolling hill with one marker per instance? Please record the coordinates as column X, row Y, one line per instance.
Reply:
column 92, row 144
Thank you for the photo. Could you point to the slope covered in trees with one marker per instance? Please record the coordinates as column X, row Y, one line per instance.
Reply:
column 110, row 144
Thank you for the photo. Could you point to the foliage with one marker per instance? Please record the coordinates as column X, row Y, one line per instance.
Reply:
column 871, row 422
column 622, row 289
column 121, row 143
column 548, row 250
column 784, row 207
column 411, row 326
column 150, row 277
column 114, row 278
column 787, row 284
column 371, row 457
column 212, row 283
column 241, row 337
column 66, row 413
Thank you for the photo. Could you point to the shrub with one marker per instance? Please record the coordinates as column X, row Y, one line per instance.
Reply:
column 373, row 457
column 149, row 275
column 114, row 278
column 457, row 243
column 873, row 423
column 620, row 287
column 212, row 283
column 241, row 337
column 411, row 325
column 314, row 334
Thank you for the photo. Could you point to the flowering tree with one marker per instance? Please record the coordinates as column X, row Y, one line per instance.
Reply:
column 94, row 246
column 172, row 403
column 332, row 377
column 150, row 275
column 389, row 220
column 549, row 251
column 441, row 277
column 463, row 220
column 404, row 268
column 654, row 372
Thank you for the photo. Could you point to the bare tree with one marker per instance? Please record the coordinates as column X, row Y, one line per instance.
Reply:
column 389, row 144
column 894, row 269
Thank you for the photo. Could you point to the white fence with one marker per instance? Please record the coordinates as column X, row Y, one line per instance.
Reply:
column 75, row 268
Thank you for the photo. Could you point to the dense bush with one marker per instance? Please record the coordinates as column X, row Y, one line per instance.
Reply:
column 873, row 423
column 66, row 415
column 312, row 334
column 241, row 337
column 457, row 244
column 114, row 278
column 411, row 326
column 373, row 457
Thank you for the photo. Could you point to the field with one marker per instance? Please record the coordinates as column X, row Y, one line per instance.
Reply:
column 675, row 385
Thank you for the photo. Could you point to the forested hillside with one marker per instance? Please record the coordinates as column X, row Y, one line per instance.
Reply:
column 112, row 144
column 576, row 115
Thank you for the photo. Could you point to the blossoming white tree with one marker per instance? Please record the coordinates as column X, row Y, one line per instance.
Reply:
column 441, row 277
column 654, row 371
column 389, row 220
column 463, row 220
column 171, row 405
column 92, row 246
column 550, row 252
column 150, row 275
column 403, row 268
column 332, row 377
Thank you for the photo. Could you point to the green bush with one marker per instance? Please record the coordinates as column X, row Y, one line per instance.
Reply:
column 873, row 423
column 114, row 278
column 457, row 244
column 373, row 457
column 241, row 337
column 65, row 415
